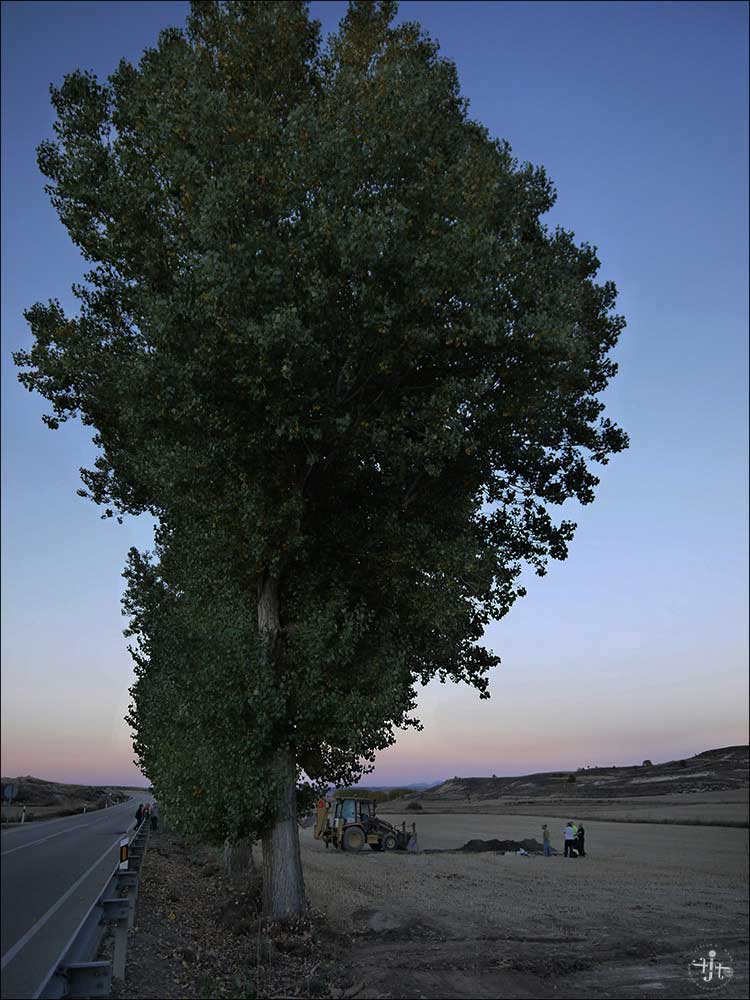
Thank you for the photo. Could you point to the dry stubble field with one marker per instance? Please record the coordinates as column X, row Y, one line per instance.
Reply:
column 623, row 922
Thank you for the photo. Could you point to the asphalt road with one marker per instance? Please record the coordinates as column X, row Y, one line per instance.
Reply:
column 52, row 871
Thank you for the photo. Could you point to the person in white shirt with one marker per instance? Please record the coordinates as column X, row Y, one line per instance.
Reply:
column 569, row 835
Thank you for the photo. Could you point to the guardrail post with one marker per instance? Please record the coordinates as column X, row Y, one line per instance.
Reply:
column 88, row 979
column 120, row 949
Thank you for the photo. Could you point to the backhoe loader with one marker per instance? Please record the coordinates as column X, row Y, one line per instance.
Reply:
column 354, row 825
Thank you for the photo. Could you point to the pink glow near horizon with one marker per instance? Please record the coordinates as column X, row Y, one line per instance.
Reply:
column 437, row 753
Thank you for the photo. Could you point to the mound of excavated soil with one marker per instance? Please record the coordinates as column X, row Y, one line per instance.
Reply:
column 498, row 846
column 477, row 846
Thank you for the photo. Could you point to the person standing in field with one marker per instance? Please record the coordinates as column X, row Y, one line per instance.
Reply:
column 569, row 839
column 580, row 842
column 321, row 817
column 545, row 841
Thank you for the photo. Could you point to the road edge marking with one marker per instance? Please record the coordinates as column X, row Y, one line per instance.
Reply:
column 46, row 823
column 71, row 829
column 11, row 953
column 32, row 843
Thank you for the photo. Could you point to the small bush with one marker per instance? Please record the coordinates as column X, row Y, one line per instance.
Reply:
column 571, row 779
column 414, row 807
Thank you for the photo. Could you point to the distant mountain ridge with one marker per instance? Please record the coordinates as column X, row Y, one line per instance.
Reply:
column 723, row 769
column 417, row 786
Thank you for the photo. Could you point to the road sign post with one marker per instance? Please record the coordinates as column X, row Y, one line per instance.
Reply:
column 9, row 793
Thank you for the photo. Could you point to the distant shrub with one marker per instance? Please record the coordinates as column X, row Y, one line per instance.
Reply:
column 414, row 807
column 647, row 763
column 683, row 763
column 571, row 779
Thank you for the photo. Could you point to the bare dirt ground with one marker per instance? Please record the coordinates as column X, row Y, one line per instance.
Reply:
column 622, row 922
column 197, row 935
column 701, row 808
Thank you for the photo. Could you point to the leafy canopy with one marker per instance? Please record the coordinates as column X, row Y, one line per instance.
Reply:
column 325, row 338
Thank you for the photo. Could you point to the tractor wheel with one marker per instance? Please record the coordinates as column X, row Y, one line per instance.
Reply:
column 354, row 838
column 389, row 842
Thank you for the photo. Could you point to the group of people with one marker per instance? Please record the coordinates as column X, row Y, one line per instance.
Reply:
column 148, row 811
column 574, row 837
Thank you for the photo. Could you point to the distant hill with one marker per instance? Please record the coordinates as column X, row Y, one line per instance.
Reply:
column 32, row 791
column 711, row 771
column 415, row 786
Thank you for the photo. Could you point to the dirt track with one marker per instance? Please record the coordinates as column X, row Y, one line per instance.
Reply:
column 622, row 922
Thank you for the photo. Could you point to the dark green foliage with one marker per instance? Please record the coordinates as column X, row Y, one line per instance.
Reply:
column 208, row 709
column 325, row 340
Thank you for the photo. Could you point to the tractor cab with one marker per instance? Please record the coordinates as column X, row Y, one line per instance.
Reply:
column 353, row 811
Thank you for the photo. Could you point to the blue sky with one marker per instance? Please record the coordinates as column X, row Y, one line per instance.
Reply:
column 636, row 646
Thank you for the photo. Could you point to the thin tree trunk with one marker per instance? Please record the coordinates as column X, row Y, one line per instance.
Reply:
column 283, row 885
column 238, row 857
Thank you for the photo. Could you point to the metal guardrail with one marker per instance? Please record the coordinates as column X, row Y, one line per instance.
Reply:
column 77, row 973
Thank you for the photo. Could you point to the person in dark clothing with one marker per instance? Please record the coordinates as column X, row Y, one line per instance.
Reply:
column 580, row 842
column 139, row 815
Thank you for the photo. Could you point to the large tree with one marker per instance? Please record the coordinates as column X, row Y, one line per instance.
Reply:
column 327, row 334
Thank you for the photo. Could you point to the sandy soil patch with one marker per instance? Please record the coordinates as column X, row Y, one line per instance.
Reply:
column 626, row 918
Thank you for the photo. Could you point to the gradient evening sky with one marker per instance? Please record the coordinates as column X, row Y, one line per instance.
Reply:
column 634, row 647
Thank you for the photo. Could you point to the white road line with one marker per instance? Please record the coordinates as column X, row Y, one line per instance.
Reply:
column 45, row 824
column 11, row 953
column 41, row 840
column 42, row 824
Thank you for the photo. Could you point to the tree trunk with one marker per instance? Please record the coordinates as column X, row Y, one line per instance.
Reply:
column 283, row 886
column 238, row 857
